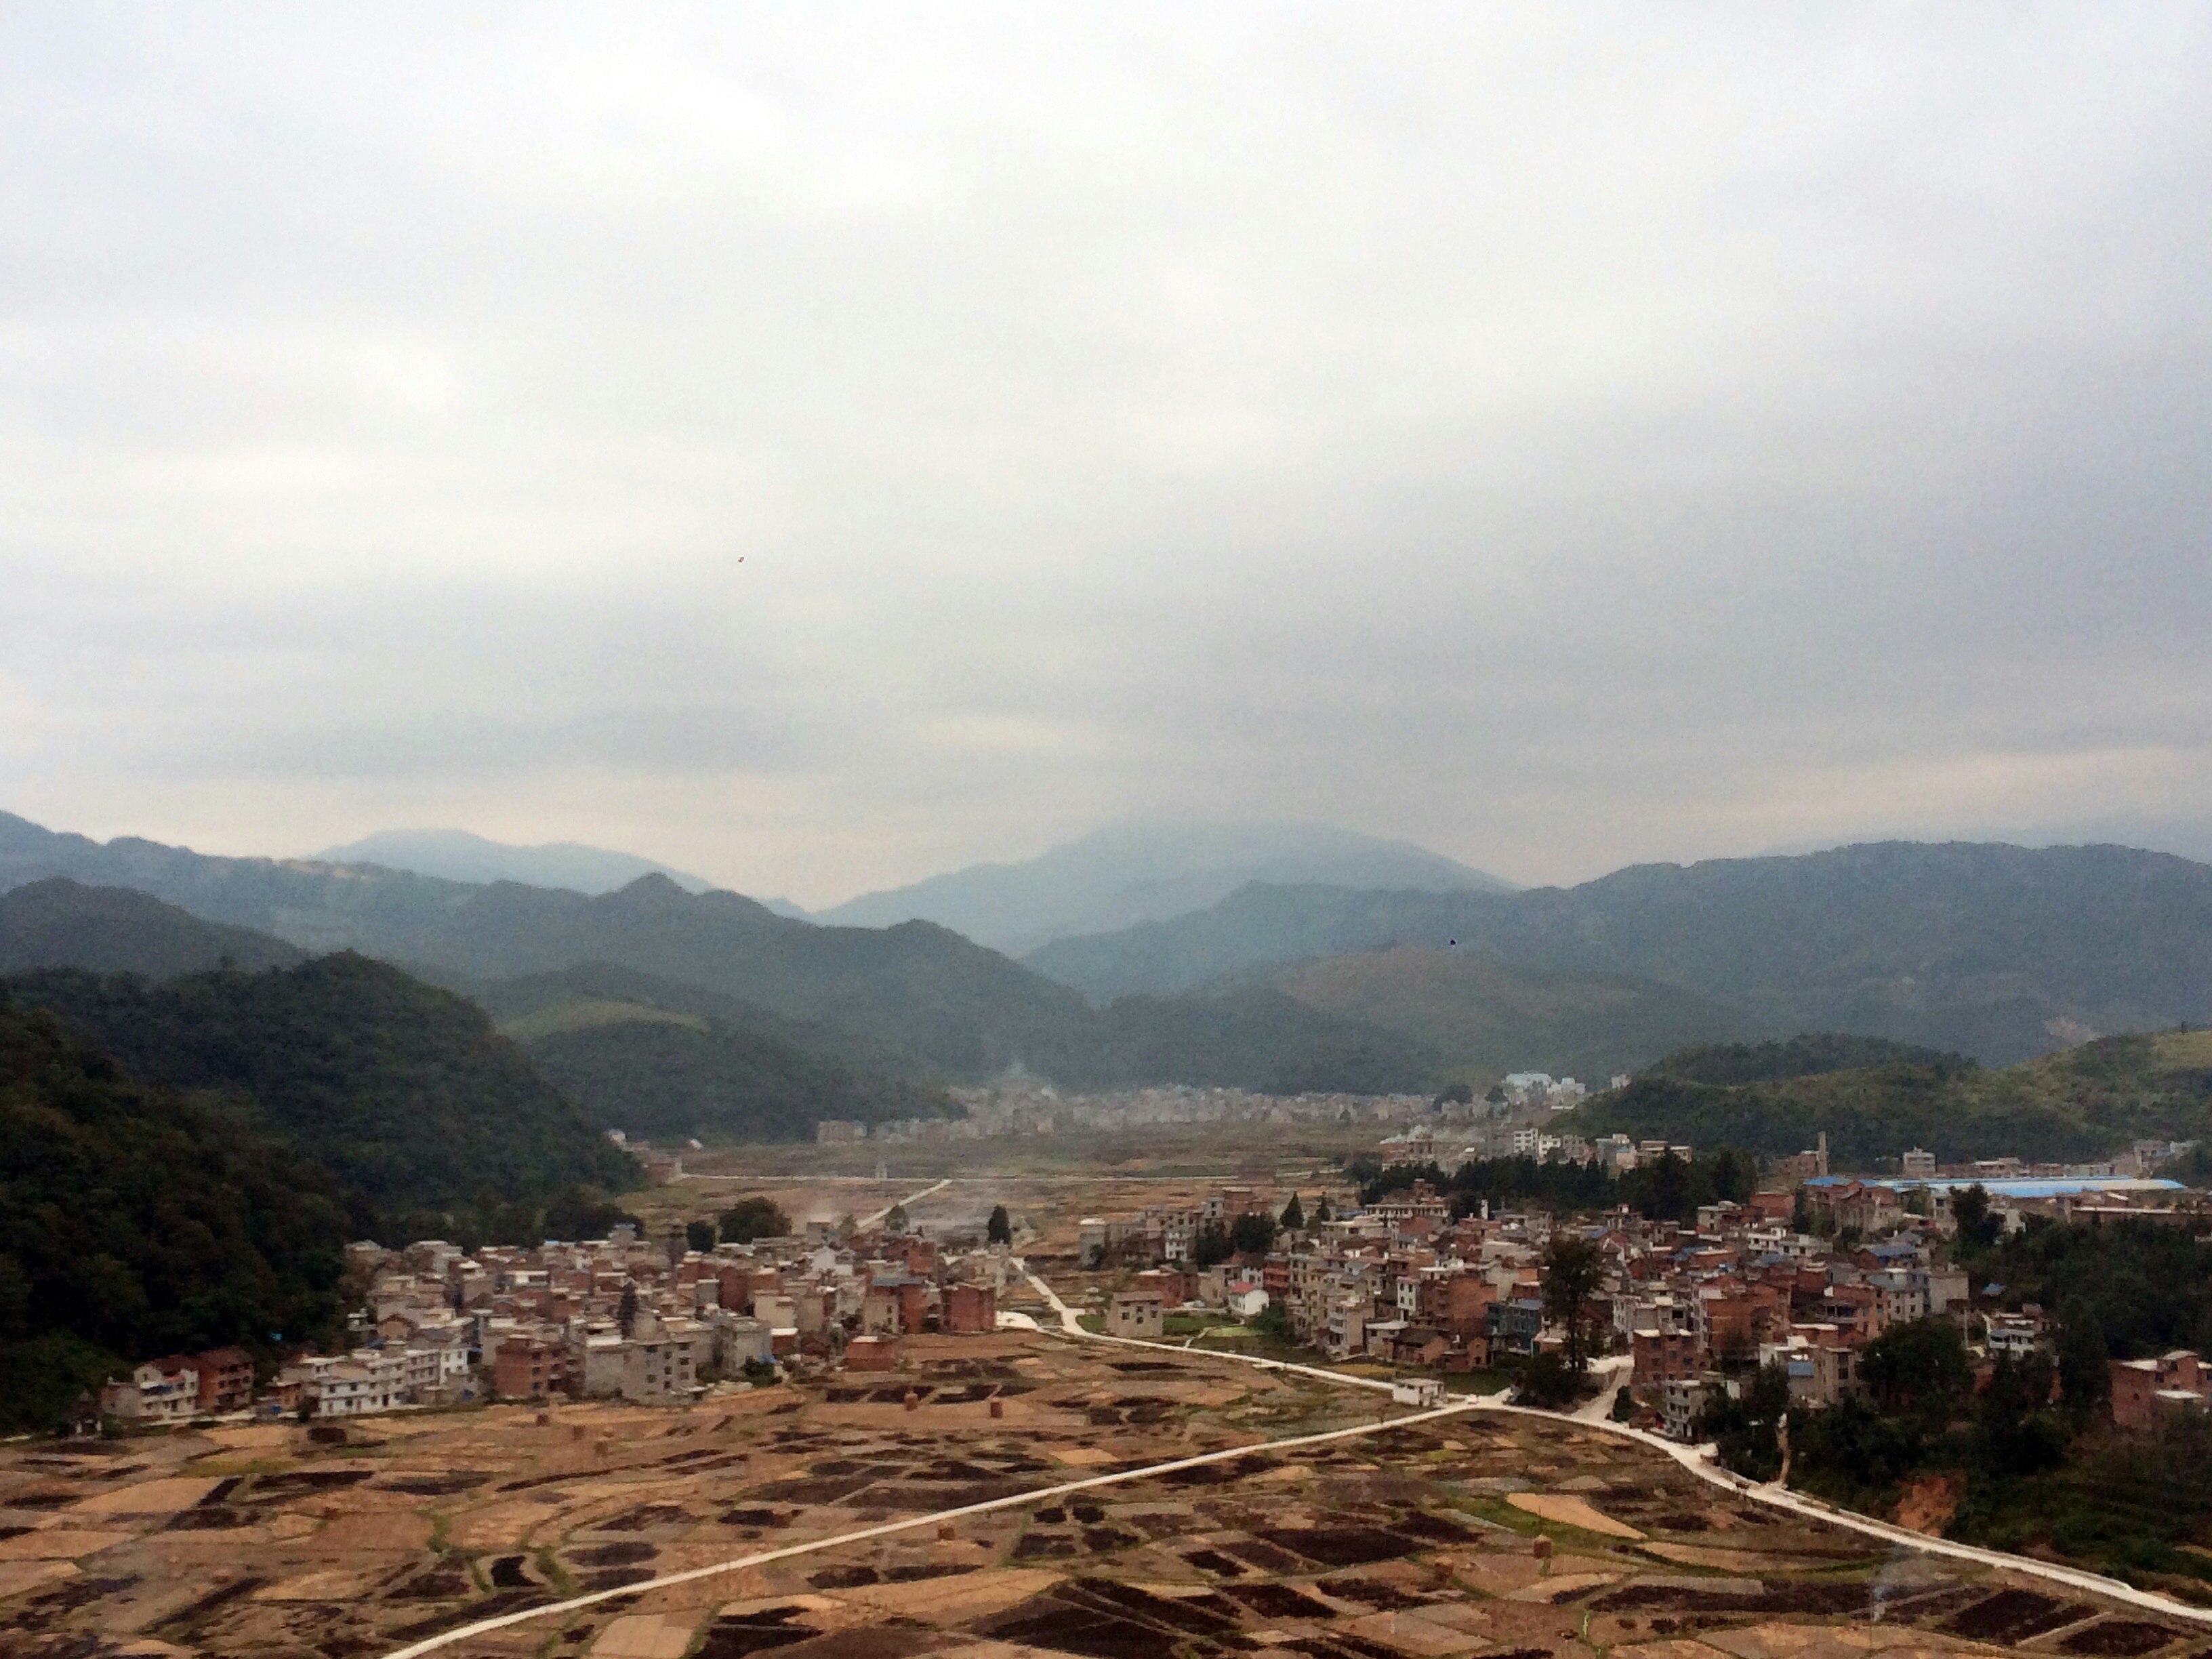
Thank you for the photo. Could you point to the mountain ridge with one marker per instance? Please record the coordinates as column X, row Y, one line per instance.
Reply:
column 1131, row 872
column 932, row 1004
column 462, row 856
column 1999, row 952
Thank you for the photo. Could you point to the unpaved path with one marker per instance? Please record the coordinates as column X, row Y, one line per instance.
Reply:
column 1697, row 1460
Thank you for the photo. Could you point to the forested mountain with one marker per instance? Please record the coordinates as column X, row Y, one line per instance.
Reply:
column 1135, row 872
column 458, row 855
column 2085, row 1102
column 659, row 1058
column 402, row 1089
column 930, row 1004
column 1808, row 1053
column 60, row 923
column 1998, row 951
column 1481, row 1019
column 133, row 1221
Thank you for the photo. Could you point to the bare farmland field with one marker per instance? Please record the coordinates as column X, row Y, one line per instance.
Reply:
column 261, row 1540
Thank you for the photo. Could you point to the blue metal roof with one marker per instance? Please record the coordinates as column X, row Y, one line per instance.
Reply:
column 2046, row 1186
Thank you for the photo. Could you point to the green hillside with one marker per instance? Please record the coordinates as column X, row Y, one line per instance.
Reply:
column 1482, row 1019
column 133, row 1222
column 60, row 923
column 592, row 1015
column 657, row 1077
column 2002, row 952
column 1806, row 1054
column 403, row 1089
column 2082, row 1102
column 918, row 1000
column 665, row 1061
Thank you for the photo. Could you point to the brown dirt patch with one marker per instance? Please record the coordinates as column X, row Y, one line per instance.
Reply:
column 1929, row 1503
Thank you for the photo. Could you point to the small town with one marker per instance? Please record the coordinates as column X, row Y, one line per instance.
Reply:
column 1802, row 1278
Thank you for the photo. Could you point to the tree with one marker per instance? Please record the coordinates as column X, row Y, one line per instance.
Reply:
column 1294, row 1216
column 1574, row 1268
column 1000, row 1229
column 897, row 1222
column 626, row 1311
column 1919, row 1369
column 1546, row 1380
column 1321, row 1211
column 1800, row 1213
column 1666, row 1194
column 584, row 1212
column 753, row 1217
column 1455, row 1094
column 2085, row 1369
column 1747, row 1431
column 1977, row 1227
column 1252, row 1233
column 699, row 1235
column 2019, row 1434
column 1211, row 1245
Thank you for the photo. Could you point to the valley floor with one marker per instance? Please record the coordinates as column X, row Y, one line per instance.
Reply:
column 1482, row 1533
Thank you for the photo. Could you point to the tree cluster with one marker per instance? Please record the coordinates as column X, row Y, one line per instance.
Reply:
column 434, row 1123
column 133, row 1222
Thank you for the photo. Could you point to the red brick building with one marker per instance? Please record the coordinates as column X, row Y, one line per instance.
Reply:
column 530, row 1367
column 1662, row 1357
column 970, row 1309
column 872, row 1353
column 226, row 1379
column 2145, row 1389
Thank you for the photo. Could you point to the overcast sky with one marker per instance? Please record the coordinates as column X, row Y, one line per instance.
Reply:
column 1563, row 436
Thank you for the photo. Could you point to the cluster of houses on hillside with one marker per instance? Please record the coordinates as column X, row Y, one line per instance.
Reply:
column 1697, row 1307
column 1027, row 1106
column 1422, row 1144
column 617, row 1317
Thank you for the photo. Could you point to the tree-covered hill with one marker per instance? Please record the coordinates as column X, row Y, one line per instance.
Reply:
column 1998, row 951
column 1484, row 1019
column 403, row 1089
column 2083, row 1102
column 666, row 1079
column 1806, row 1054
column 134, row 1221
column 659, row 1058
column 60, row 923
column 921, row 1000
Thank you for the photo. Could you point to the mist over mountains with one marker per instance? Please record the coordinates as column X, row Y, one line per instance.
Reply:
column 459, row 855
column 914, row 1001
column 1992, row 951
column 1131, row 873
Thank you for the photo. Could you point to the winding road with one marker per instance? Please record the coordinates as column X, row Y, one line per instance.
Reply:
column 1697, row 1461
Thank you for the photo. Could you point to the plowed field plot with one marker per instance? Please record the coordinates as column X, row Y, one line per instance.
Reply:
column 1401, row 1545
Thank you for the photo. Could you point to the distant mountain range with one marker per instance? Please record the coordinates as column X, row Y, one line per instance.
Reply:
column 458, row 855
column 915, row 1001
column 1138, row 872
column 1990, row 950
column 1998, row 951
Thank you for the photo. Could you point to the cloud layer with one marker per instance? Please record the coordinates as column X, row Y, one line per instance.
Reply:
column 1560, row 439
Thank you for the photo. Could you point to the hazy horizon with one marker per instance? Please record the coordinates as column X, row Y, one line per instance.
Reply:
column 1559, row 440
